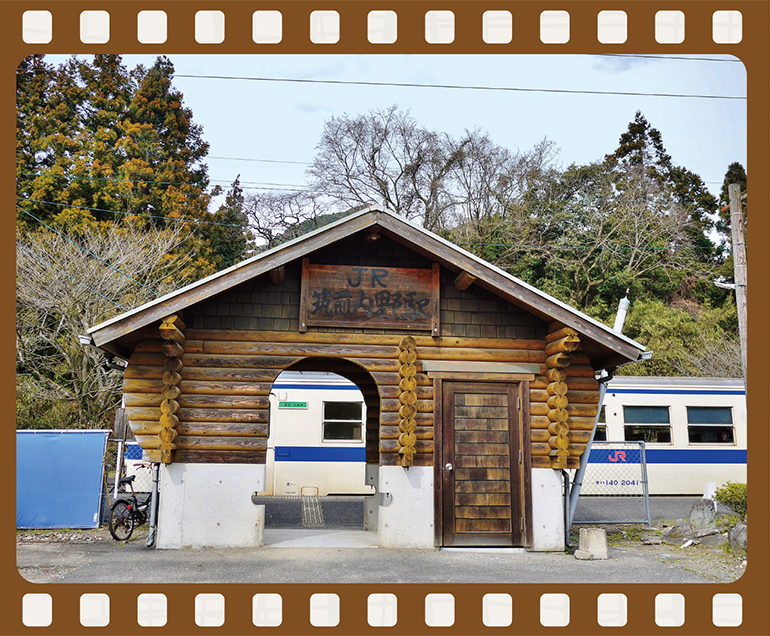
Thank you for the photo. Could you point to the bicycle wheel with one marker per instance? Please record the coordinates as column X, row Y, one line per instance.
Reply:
column 121, row 520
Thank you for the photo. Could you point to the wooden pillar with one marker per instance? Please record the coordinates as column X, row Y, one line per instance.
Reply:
column 407, row 424
column 559, row 347
column 172, row 331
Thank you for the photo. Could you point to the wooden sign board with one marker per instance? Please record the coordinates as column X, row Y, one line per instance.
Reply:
column 373, row 297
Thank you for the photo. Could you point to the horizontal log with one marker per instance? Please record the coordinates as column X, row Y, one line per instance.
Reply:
column 422, row 406
column 201, row 415
column 318, row 337
column 579, row 437
column 193, row 387
column 537, row 448
column 144, row 372
column 392, row 432
column 539, row 422
column 558, row 415
column 464, row 280
column 576, row 370
column 574, row 383
column 558, row 401
column 573, row 462
column 185, row 456
column 241, row 429
column 143, row 428
column 210, row 442
column 173, row 349
column 148, row 442
column 582, row 410
column 210, row 374
column 239, row 362
column 538, row 461
column 581, row 423
column 582, row 397
column 538, row 408
column 539, row 435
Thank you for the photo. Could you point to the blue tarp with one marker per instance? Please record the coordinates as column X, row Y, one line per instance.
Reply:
column 59, row 478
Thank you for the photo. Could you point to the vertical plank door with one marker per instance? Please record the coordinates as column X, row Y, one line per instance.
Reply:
column 482, row 480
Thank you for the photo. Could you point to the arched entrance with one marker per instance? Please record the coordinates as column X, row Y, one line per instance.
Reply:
column 322, row 465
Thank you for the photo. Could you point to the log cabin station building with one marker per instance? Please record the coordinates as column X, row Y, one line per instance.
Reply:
column 480, row 390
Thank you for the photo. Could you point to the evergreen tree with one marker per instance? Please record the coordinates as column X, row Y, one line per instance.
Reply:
column 229, row 240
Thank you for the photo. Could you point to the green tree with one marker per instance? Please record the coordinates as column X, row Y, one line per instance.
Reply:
column 229, row 240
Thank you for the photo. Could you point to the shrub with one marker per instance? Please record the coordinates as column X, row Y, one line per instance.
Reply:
column 734, row 495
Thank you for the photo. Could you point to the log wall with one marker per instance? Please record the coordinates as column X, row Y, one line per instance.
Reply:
column 227, row 376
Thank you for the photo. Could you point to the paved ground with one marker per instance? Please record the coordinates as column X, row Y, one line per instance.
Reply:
column 333, row 554
column 109, row 562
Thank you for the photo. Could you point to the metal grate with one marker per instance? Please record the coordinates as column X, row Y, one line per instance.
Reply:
column 615, row 487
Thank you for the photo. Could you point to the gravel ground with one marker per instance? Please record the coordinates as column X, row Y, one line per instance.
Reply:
column 716, row 563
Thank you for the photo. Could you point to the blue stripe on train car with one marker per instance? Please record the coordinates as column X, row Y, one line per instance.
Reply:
column 679, row 391
column 669, row 456
column 319, row 454
column 316, row 387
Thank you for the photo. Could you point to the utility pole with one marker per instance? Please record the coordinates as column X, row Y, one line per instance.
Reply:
column 739, row 267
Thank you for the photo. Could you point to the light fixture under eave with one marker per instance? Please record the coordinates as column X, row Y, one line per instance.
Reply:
column 372, row 234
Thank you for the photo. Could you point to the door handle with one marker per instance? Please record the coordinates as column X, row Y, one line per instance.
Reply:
column 449, row 467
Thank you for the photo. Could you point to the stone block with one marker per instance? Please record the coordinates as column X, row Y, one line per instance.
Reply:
column 715, row 540
column 681, row 529
column 703, row 514
column 593, row 544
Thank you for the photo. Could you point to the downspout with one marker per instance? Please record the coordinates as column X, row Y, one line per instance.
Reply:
column 153, row 506
column 577, row 482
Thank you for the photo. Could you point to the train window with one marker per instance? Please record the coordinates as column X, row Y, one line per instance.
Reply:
column 342, row 422
column 710, row 425
column 649, row 424
column 601, row 427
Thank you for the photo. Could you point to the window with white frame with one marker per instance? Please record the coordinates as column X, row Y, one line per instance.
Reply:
column 710, row 425
column 650, row 424
column 343, row 422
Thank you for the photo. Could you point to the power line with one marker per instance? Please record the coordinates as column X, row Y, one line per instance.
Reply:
column 150, row 216
column 89, row 252
column 590, row 247
column 670, row 57
column 301, row 163
column 452, row 86
column 41, row 259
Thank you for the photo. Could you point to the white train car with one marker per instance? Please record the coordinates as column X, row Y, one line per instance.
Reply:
column 694, row 429
column 317, row 438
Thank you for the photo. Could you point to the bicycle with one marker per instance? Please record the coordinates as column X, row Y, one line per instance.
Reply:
column 127, row 512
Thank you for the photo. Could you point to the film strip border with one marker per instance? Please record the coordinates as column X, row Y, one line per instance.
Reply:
column 492, row 610
column 66, row 609
column 324, row 27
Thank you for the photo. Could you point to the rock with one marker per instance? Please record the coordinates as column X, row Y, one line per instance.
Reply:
column 715, row 540
column 593, row 544
column 673, row 540
column 652, row 540
column 681, row 529
column 738, row 537
column 703, row 514
column 706, row 533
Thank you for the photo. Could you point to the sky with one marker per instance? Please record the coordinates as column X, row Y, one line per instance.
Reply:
column 276, row 122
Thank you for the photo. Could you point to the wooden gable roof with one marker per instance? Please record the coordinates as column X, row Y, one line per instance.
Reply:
column 605, row 347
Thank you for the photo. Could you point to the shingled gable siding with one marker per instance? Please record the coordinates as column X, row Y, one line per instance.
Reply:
column 231, row 360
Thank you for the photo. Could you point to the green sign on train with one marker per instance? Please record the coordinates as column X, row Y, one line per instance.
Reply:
column 292, row 405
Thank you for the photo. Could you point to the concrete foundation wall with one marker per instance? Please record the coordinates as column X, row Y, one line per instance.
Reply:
column 372, row 504
column 407, row 519
column 547, row 510
column 210, row 505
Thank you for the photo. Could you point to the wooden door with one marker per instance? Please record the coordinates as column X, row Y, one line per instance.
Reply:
column 483, row 470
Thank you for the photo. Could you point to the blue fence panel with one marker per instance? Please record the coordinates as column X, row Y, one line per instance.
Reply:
column 59, row 478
